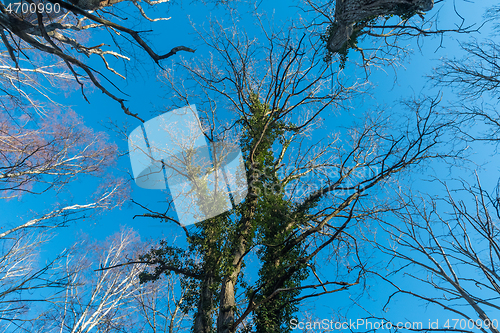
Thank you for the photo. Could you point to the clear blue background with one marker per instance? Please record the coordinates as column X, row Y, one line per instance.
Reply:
column 147, row 97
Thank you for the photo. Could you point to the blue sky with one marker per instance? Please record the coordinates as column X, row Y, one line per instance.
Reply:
column 147, row 96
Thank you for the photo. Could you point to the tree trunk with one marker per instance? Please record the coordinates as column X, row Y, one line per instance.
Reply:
column 94, row 4
column 350, row 12
column 226, row 319
column 203, row 318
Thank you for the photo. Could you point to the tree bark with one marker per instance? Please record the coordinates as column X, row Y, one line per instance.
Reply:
column 94, row 4
column 225, row 320
column 349, row 12
column 203, row 318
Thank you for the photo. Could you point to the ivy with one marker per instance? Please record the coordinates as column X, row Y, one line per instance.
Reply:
column 274, row 221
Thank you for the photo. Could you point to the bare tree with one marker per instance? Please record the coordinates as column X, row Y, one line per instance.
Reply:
column 57, row 29
column 99, row 300
column 22, row 277
column 41, row 157
column 448, row 251
column 38, row 155
column 72, row 293
column 448, row 247
column 305, row 198
column 19, row 85
column 111, row 300
column 27, row 283
column 474, row 77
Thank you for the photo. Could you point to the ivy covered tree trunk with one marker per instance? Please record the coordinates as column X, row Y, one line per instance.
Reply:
column 275, row 315
column 242, row 240
column 203, row 318
column 351, row 15
column 265, row 217
column 275, row 223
